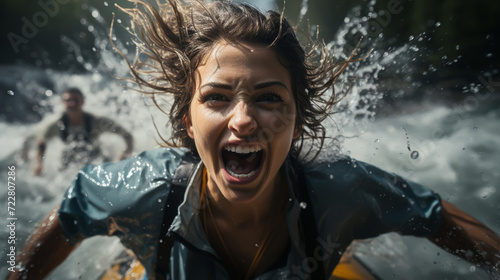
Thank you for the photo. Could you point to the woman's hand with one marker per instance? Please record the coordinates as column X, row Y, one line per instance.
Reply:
column 464, row 236
column 44, row 250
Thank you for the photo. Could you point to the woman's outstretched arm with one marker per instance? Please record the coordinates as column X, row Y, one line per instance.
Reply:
column 44, row 251
column 462, row 235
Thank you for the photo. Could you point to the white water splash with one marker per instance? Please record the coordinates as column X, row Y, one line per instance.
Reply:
column 459, row 161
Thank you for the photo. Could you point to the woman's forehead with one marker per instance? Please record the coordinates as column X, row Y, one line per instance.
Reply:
column 228, row 61
column 226, row 48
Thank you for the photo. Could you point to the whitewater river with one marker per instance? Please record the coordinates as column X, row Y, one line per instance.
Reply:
column 453, row 148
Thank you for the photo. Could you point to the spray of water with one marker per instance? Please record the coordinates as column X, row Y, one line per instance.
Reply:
column 353, row 129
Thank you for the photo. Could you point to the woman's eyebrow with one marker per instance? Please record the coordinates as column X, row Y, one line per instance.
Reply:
column 217, row 85
column 256, row 87
column 269, row 84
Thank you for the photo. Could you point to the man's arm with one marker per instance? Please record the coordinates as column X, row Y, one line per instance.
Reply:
column 44, row 250
column 464, row 236
column 47, row 132
column 129, row 141
column 39, row 157
column 108, row 125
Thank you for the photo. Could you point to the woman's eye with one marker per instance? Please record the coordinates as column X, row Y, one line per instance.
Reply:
column 214, row 97
column 271, row 98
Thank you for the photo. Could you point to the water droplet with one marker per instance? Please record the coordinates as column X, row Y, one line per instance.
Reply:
column 257, row 245
column 111, row 204
column 10, row 92
column 414, row 155
column 106, row 3
column 438, row 24
column 331, row 177
column 48, row 93
column 472, row 268
column 376, row 141
column 159, row 200
column 407, row 139
column 303, row 205
column 411, row 38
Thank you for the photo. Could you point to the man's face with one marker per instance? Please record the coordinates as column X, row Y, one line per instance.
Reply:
column 72, row 102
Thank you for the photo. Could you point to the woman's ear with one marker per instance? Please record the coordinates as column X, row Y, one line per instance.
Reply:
column 189, row 126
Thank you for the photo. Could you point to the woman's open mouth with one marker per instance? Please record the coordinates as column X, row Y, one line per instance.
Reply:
column 242, row 162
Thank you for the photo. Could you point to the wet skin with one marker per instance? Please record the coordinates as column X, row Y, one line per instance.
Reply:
column 242, row 119
column 243, row 100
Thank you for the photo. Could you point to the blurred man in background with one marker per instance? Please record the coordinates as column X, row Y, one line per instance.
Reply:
column 80, row 132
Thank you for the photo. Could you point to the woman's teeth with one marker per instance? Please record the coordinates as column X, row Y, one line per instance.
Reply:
column 242, row 161
column 242, row 150
column 240, row 175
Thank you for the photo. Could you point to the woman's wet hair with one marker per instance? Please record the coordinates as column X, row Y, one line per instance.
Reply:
column 176, row 37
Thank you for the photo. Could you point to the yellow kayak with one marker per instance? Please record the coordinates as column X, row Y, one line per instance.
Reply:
column 351, row 268
column 127, row 267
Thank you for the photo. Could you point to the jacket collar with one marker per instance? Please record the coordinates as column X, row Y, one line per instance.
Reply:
column 188, row 229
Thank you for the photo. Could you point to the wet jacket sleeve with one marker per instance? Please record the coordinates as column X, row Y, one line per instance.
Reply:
column 359, row 200
column 124, row 199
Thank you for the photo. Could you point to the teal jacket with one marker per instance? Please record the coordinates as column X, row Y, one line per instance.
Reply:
column 350, row 200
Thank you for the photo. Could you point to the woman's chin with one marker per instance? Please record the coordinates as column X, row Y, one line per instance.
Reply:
column 240, row 195
column 240, row 189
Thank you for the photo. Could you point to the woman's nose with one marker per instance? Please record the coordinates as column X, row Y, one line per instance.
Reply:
column 242, row 121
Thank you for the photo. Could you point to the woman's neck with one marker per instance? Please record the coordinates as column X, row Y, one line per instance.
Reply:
column 254, row 213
